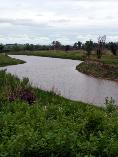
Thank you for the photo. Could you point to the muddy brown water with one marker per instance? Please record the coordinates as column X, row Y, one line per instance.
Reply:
column 61, row 76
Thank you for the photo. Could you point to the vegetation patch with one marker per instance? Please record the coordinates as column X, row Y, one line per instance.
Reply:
column 6, row 60
column 52, row 125
column 99, row 69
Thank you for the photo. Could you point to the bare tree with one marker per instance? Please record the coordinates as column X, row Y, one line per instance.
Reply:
column 100, row 45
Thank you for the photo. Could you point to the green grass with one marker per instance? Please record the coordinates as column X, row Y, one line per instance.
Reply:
column 99, row 70
column 110, row 59
column 6, row 60
column 75, row 55
column 53, row 126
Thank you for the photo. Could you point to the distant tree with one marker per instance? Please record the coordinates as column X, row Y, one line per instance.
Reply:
column 29, row 47
column 1, row 48
column 100, row 46
column 113, row 47
column 16, row 47
column 67, row 48
column 77, row 45
column 56, row 45
column 88, row 47
column 26, row 46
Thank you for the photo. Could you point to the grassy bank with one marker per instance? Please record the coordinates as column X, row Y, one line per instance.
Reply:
column 75, row 55
column 6, row 60
column 105, row 69
column 35, row 123
column 110, row 60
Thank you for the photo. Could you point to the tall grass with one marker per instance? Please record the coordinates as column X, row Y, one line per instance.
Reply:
column 52, row 125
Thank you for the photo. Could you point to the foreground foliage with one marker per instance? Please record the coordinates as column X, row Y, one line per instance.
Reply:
column 53, row 126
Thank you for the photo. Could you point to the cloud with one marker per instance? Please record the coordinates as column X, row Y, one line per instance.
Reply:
column 23, row 22
column 60, row 21
column 65, row 20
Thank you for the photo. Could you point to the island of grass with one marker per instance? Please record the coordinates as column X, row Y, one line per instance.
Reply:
column 6, row 60
column 36, row 123
column 106, row 68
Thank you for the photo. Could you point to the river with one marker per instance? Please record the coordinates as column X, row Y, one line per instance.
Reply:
column 61, row 76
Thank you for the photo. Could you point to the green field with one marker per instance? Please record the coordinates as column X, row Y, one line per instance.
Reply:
column 36, row 123
column 6, row 60
column 110, row 59
column 106, row 59
column 75, row 55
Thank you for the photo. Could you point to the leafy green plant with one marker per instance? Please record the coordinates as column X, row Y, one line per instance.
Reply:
column 110, row 105
column 53, row 126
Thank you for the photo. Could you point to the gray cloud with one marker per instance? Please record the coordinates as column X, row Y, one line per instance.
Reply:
column 23, row 22
column 60, row 21
column 38, row 21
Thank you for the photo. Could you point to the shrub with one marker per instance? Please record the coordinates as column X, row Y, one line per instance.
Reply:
column 110, row 105
column 54, row 126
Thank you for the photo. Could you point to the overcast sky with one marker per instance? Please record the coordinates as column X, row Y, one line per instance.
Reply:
column 42, row 21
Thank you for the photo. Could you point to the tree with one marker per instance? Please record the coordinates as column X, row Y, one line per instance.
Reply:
column 77, row 45
column 1, row 48
column 113, row 47
column 16, row 47
column 29, row 47
column 88, row 47
column 67, row 48
column 100, row 46
column 56, row 45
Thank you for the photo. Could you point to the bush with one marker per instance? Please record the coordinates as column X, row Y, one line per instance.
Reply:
column 110, row 105
column 53, row 126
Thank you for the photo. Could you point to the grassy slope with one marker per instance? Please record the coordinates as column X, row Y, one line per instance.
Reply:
column 6, row 60
column 106, row 68
column 98, row 70
column 52, row 125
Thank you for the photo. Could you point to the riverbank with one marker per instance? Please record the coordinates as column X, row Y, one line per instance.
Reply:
column 106, row 67
column 38, row 123
column 61, row 75
column 74, row 55
column 99, row 69
column 6, row 60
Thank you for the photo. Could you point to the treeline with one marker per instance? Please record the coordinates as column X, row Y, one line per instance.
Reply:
column 88, row 46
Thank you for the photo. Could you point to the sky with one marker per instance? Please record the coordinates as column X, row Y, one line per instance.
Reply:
column 67, row 21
